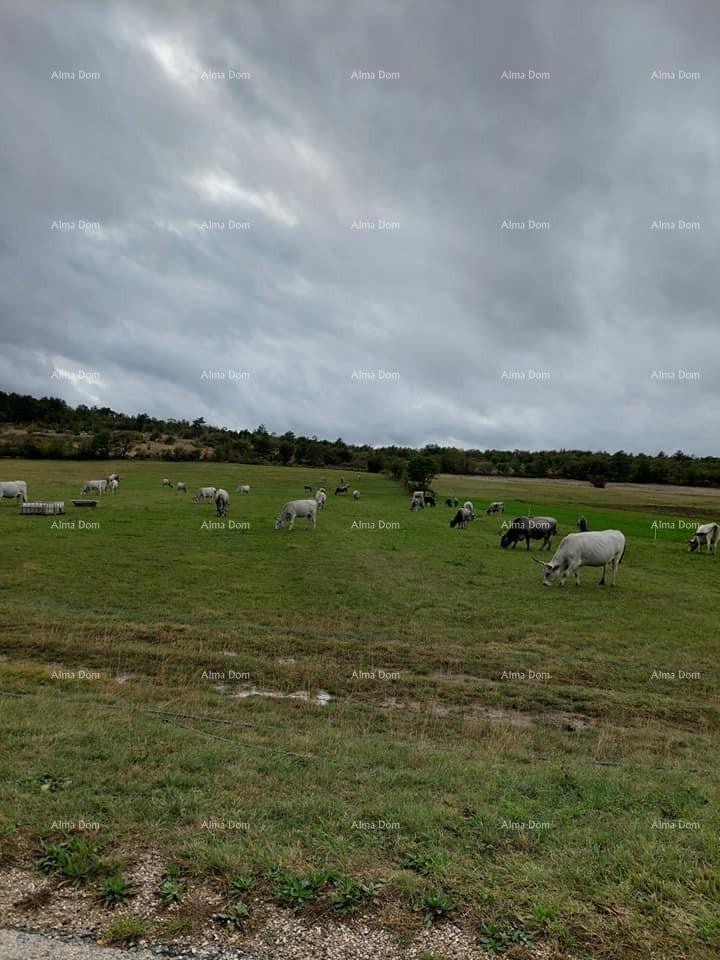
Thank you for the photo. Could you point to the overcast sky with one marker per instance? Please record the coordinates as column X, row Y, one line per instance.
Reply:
column 145, row 301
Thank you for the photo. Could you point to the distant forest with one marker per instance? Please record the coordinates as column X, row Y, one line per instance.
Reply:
column 50, row 428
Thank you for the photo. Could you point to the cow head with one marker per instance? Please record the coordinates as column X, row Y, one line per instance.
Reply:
column 507, row 538
column 552, row 571
column 279, row 522
column 693, row 544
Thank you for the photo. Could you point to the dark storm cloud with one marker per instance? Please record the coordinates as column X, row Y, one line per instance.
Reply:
column 452, row 302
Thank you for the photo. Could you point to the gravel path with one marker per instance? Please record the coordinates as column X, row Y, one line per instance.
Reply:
column 20, row 945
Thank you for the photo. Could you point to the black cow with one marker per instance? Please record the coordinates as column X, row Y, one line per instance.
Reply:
column 530, row 528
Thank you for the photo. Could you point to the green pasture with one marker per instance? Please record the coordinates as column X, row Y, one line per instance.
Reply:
column 545, row 758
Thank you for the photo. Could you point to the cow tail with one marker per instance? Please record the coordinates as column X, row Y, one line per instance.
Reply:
column 622, row 554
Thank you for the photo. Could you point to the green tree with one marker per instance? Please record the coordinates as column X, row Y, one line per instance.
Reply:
column 421, row 471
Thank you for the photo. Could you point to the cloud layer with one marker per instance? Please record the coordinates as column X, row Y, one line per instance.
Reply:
column 238, row 187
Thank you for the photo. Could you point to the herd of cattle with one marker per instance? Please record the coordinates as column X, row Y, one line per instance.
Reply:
column 600, row 548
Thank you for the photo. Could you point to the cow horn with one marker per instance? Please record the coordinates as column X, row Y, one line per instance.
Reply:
column 535, row 559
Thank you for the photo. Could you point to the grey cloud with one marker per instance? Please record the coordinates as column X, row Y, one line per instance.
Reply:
column 449, row 151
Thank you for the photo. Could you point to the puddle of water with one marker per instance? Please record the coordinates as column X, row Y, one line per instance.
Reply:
column 321, row 698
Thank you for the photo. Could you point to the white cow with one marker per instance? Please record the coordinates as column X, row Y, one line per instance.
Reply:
column 181, row 487
column 243, row 488
column 356, row 494
column 591, row 549
column 166, row 483
column 320, row 499
column 204, row 493
column 112, row 476
column 13, row 490
column 468, row 505
column 708, row 534
column 297, row 508
column 94, row 486
column 113, row 485
column 222, row 502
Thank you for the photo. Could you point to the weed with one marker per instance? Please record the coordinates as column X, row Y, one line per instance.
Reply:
column 115, row 889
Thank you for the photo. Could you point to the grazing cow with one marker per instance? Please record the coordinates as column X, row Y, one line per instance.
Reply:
column 297, row 508
column 204, row 493
column 708, row 534
column 222, row 502
column 461, row 518
column 530, row 528
column 320, row 498
column 112, row 476
column 589, row 549
column 182, row 487
column 308, row 487
column 113, row 486
column 342, row 489
column 419, row 495
column 13, row 490
column 582, row 524
column 468, row 505
column 243, row 488
column 497, row 506
column 356, row 494
column 94, row 486
column 429, row 499
column 455, row 501
column 166, row 483
column 448, row 501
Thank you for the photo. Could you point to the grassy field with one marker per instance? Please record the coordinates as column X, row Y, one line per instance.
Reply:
column 530, row 761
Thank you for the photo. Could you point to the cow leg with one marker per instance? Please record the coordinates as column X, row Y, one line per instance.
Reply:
column 601, row 582
column 616, row 564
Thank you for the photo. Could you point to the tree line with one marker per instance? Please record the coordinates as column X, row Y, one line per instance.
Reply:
column 50, row 428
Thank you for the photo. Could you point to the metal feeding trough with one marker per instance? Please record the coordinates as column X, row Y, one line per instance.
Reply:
column 85, row 503
column 42, row 508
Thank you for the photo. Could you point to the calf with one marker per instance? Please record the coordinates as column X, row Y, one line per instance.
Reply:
column 181, row 487
column 243, row 488
column 166, row 483
column 497, row 506
column 342, row 489
column 356, row 494
column 708, row 534
column 589, row 549
column 320, row 498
